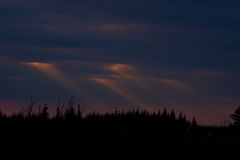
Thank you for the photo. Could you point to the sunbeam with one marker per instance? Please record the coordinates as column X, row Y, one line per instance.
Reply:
column 59, row 77
column 113, row 86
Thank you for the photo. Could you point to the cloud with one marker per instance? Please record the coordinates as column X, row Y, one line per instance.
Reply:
column 157, row 32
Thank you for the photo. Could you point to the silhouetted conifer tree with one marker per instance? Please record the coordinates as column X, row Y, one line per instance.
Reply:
column 1, row 114
column 164, row 114
column 70, row 112
column 172, row 115
column 28, row 111
column 43, row 115
column 79, row 112
column 236, row 116
column 194, row 122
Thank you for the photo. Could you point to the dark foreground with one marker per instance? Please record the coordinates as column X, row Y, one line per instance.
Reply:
column 72, row 137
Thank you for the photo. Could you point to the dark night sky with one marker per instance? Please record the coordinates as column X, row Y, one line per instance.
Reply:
column 182, row 55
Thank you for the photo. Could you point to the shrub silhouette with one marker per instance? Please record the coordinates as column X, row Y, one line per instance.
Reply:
column 59, row 111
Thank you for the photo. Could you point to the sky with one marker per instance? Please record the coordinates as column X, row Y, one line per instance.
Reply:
column 147, row 54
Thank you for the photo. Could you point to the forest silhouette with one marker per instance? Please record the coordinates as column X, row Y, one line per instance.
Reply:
column 68, row 134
